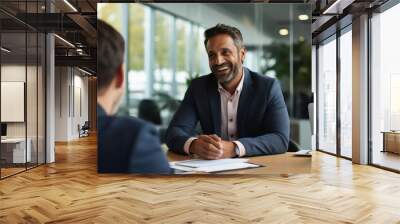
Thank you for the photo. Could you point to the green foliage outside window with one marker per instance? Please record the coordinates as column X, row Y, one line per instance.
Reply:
column 136, row 36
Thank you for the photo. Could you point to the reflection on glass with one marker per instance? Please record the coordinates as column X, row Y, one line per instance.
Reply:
column 15, row 149
column 327, row 96
column 385, row 86
column 23, row 95
column 346, row 94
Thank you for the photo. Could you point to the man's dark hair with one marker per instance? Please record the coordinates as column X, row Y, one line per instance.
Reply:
column 233, row 32
column 110, row 53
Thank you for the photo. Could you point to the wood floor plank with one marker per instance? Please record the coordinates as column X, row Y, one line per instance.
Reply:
column 71, row 191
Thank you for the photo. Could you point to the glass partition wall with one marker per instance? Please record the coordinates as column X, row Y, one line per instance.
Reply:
column 335, row 112
column 345, row 109
column 22, row 77
column 385, row 88
column 327, row 79
column 334, row 93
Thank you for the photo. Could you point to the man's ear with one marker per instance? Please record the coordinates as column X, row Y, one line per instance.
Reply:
column 120, row 77
column 243, row 54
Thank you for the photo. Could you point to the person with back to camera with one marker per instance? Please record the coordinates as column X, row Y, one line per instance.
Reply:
column 125, row 144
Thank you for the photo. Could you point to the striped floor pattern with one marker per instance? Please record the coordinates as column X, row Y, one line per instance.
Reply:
column 70, row 191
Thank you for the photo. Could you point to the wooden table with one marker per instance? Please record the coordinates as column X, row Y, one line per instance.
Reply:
column 274, row 164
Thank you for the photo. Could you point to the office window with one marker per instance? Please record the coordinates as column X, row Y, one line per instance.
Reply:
column 167, row 50
column 137, row 77
column 183, row 32
column 327, row 96
column 346, row 93
column 385, row 88
column 112, row 14
column 163, row 72
column 200, row 58
column 197, row 45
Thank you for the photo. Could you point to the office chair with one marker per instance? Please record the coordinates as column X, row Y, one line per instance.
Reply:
column 84, row 130
column 149, row 111
column 293, row 146
column 86, row 126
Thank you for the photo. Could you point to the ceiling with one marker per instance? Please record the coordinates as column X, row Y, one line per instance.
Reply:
column 258, row 22
column 76, row 26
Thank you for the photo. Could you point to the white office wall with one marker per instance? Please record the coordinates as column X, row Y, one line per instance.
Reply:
column 61, row 103
column 80, row 102
column 15, row 73
column 71, row 102
column 12, row 99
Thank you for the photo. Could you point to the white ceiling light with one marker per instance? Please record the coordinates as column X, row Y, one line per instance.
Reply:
column 283, row 32
column 338, row 6
column 303, row 17
column 70, row 5
column 86, row 72
column 79, row 51
column 5, row 50
column 65, row 41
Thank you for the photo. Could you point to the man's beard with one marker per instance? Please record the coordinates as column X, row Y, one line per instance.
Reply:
column 232, row 72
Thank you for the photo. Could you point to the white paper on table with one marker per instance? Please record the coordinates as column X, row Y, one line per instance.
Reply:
column 199, row 163
column 225, row 167
column 181, row 168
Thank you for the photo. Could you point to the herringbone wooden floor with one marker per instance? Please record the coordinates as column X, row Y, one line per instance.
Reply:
column 70, row 191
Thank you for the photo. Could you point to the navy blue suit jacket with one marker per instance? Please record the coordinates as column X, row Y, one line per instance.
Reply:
column 128, row 145
column 262, row 117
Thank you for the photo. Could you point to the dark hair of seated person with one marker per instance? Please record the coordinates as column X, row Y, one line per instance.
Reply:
column 110, row 51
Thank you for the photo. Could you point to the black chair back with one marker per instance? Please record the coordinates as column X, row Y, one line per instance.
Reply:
column 149, row 111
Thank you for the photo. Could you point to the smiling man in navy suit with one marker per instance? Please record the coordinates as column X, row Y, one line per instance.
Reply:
column 125, row 144
column 241, row 113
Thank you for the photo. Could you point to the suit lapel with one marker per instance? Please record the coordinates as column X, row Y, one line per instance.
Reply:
column 215, row 105
column 244, row 102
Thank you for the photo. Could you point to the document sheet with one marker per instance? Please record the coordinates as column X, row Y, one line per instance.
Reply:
column 200, row 165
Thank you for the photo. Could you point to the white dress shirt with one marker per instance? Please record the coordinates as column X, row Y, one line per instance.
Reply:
column 229, row 106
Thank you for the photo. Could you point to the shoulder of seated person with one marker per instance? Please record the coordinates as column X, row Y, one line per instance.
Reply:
column 130, row 123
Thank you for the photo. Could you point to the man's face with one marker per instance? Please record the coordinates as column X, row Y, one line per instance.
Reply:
column 224, row 58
